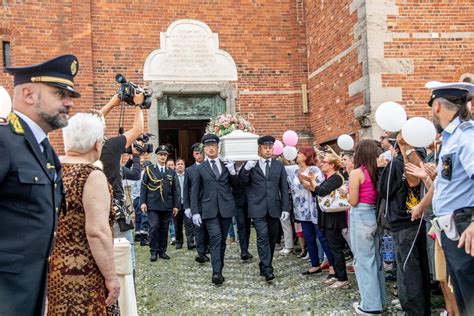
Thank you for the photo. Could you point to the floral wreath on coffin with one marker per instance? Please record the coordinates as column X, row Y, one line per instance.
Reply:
column 227, row 123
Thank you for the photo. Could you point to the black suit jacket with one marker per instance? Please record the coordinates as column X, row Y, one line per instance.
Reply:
column 211, row 196
column 164, row 199
column 188, row 182
column 30, row 201
column 266, row 195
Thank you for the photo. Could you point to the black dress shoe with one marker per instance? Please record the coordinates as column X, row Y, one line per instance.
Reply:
column 144, row 241
column 262, row 274
column 164, row 256
column 153, row 257
column 311, row 273
column 201, row 259
column 245, row 256
column 179, row 245
column 269, row 277
column 191, row 246
column 217, row 279
column 138, row 237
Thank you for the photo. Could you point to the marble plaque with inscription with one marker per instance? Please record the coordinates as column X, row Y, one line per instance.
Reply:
column 189, row 51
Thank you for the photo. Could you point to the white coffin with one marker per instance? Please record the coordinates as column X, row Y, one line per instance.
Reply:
column 239, row 146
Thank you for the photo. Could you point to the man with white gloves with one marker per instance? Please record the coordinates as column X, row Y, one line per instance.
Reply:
column 268, row 201
column 212, row 202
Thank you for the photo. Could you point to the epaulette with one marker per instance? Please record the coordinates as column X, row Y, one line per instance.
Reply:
column 466, row 125
column 15, row 124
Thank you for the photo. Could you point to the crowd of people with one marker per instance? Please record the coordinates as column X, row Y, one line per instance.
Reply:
column 62, row 214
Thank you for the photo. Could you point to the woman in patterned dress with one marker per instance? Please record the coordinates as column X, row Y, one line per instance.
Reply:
column 305, row 208
column 82, row 278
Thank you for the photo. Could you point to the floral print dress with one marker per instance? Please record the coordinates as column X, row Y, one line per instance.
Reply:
column 304, row 203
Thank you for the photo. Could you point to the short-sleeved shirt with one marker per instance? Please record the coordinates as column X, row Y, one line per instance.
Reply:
column 304, row 203
column 111, row 158
column 456, row 190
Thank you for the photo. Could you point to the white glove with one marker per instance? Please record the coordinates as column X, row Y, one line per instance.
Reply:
column 230, row 165
column 284, row 216
column 187, row 212
column 250, row 164
column 197, row 220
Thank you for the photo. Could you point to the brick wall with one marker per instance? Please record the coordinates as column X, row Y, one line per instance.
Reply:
column 265, row 38
column 332, row 66
column 439, row 37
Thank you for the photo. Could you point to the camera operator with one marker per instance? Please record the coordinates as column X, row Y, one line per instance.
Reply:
column 111, row 158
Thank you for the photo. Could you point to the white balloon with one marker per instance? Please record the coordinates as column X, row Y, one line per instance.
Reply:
column 419, row 132
column 290, row 153
column 345, row 142
column 5, row 102
column 390, row 116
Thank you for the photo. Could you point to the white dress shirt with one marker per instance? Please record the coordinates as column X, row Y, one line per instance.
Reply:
column 218, row 164
column 262, row 164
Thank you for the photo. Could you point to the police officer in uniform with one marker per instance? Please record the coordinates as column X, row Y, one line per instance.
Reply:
column 268, row 201
column 213, row 203
column 30, row 181
column 452, row 194
column 159, row 198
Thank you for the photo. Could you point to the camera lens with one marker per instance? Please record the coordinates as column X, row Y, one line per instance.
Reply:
column 120, row 78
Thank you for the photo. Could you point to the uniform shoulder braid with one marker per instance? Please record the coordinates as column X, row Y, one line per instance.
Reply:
column 15, row 124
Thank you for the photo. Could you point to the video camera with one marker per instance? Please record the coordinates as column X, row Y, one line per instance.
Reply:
column 146, row 148
column 133, row 94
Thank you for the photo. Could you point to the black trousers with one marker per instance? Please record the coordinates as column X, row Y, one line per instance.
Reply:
column 181, row 220
column 461, row 270
column 337, row 243
column 218, row 228
column 413, row 281
column 243, row 227
column 159, row 226
column 201, row 237
column 267, row 229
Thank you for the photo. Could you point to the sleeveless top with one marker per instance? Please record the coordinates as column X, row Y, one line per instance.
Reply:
column 367, row 191
column 75, row 284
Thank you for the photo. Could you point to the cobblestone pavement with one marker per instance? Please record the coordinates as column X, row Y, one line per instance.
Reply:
column 182, row 286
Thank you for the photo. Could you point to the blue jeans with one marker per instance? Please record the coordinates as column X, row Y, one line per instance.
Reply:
column 141, row 219
column 367, row 257
column 172, row 231
column 310, row 233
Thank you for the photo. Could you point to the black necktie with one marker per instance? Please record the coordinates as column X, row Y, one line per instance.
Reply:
column 267, row 168
column 215, row 169
column 48, row 156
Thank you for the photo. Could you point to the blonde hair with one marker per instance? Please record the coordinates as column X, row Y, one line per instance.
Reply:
column 333, row 160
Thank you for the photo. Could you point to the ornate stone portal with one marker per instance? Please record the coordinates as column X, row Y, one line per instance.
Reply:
column 190, row 76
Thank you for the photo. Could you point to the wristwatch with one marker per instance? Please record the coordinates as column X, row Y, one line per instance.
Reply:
column 409, row 151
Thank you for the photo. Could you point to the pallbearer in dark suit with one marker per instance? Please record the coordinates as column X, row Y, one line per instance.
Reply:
column 243, row 220
column 30, row 181
column 268, row 201
column 159, row 198
column 200, row 233
column 212, row 202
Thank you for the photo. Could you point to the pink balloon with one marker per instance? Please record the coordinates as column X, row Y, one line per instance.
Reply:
column 290, row 138
column 277, row 148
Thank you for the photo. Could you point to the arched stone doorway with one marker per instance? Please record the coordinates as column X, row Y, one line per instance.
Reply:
column 191, row 80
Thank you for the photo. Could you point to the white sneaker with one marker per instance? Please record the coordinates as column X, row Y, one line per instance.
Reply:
column 359, row 311
column 285, row 251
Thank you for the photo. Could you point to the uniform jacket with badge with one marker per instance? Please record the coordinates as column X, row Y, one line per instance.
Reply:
column 30, row 200
column 159, row 192
column 266, row 195
column 211, row 196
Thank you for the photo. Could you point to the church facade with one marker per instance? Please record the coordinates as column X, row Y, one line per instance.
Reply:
column 319, row 67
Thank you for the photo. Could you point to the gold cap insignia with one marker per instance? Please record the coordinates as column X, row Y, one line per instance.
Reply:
column 74, row 67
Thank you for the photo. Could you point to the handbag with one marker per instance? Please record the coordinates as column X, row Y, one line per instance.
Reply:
column 122, row 215
column 333, row 202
